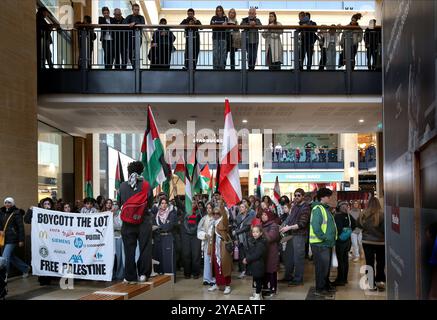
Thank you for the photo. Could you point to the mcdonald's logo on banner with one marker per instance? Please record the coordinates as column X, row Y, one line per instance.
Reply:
column 43, row 234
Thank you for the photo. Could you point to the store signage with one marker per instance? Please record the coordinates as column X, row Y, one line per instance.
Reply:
column 396, row 219
column 304, row 176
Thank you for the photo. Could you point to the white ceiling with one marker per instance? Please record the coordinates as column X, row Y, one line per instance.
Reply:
column 81, row 114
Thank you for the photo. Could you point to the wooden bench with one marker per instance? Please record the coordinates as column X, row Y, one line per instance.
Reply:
column 158, row 288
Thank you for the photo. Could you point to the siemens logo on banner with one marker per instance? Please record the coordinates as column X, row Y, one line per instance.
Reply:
column 62, row 241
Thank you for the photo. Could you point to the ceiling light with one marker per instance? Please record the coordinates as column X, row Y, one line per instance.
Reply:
column 361, row 120
column 244, row 121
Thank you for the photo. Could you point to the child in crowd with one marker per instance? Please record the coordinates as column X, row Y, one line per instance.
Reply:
column 255, row 259
column 88, row 206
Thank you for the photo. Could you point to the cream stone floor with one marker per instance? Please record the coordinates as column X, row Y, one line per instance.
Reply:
column 190, row 289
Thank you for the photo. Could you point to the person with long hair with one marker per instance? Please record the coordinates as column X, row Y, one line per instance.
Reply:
column 204, row 233
column 234, row 37
column 219, row 39
column 222, row 261
column 357, row 37
column 371, row 221
column 273, row 44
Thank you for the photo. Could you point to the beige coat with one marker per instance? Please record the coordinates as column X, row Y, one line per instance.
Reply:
column 273, row 41
column 222, row 229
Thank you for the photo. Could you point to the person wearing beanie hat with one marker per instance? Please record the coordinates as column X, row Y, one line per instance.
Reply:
column 12, row 228
column 323, row 234
column 345, row 224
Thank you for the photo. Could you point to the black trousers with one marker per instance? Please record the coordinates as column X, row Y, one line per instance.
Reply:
column 258, row 284
column 120, row 53
column 232, row 57
column 191, row 253
column 108, row 53
column 241, row 255
column 372, row 55
column 342, row 249
column 306, row 50
column 131, row 235
column 252, row 53
column 196, row 54
column 372, row 251
column 322, row 263
column 323, row 58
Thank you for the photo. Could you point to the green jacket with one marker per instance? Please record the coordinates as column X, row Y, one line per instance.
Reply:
column 331, row 230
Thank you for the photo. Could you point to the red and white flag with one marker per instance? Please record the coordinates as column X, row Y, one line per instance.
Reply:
column 229, row 184
column 277, row 191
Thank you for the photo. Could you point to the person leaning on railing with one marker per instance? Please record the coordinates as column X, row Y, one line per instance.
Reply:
column 161, row 47
column 132, row 20
column 120, row 41
column 191, row 20
column 307, row 39
column 252, row 37
column 357, row 37
column 219, row 52
column 43, row 30
column 107, row 38
column 233, row 38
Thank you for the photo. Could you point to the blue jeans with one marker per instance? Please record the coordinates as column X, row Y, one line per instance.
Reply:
column 322, row 262
column 294, row 258
column 219, row 54
column 207, row 269
column 8, row 254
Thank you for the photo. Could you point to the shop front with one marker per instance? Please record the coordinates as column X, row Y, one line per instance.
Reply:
column 307, row 180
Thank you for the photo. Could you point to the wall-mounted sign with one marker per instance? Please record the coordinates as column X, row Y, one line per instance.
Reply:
column 304, row 176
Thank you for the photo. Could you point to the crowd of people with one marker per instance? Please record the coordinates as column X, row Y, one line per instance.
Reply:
column 259, row 234
column 308, row 153
column 119, row 45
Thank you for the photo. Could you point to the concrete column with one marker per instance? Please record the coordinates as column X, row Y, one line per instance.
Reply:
column 378, row 11
column 255, row 159
column 18, row 104
column 349, row 143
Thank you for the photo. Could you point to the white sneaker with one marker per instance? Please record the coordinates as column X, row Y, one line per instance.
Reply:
column 242, row 275
column 129, row 282
column 227, row 290
column 142, row 278
column 213, row 288
column 256, row 296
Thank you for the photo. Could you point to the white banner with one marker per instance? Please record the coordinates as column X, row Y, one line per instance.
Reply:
column 72, row 245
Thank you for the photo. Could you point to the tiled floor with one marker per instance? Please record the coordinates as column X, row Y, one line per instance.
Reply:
column 190, row 289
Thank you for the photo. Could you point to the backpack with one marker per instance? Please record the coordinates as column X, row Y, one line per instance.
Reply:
column 134, row 208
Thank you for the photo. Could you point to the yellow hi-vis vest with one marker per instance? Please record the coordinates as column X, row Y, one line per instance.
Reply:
column 324, row 226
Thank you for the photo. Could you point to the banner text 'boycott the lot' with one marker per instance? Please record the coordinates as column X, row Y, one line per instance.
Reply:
column 69, row 221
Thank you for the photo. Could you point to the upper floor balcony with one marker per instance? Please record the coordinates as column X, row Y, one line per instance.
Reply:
column 189, row 60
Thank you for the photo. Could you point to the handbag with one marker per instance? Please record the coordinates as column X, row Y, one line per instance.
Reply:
column 3, row 235
column 229, row 245
column 236, row 39
column 334, row 260
column 346, row 232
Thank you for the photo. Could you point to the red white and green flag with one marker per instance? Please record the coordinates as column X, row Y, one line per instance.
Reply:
column 229, row 184
column 276, row 191
column 88, row 180
column 179, row 170
column 188, row 195
column 206, row 176
column 119, row 178
column 156, row 168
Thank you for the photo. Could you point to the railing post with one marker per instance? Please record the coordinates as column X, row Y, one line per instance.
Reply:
column 243, row 62
column 190, row 40
column 83, row 58
column 296, row 55
column 348, row 51
column 137, row 59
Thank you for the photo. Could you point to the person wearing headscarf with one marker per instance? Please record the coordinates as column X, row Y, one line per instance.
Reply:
column 163, row 227
column 205, row 230
column 12, row 229
column 271, row 233
column 133, row 234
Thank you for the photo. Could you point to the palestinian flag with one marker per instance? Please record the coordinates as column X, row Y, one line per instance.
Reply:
column 188, row 195
column 258, row 186
column 180, row 169
column 88, row 180
column 276, row 191
column 119, row 178
column 206, row 177
column 156, row 168
column 191, row 163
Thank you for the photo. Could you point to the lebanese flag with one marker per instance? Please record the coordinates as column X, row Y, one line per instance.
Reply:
column 229, row 183
column 179, row 170
column 277, row 191
column 156, row 168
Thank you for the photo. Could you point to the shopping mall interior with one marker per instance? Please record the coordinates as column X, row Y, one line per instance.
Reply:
column 339, row 121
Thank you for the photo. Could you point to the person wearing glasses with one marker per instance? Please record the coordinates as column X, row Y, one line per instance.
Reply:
column 294, row 255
